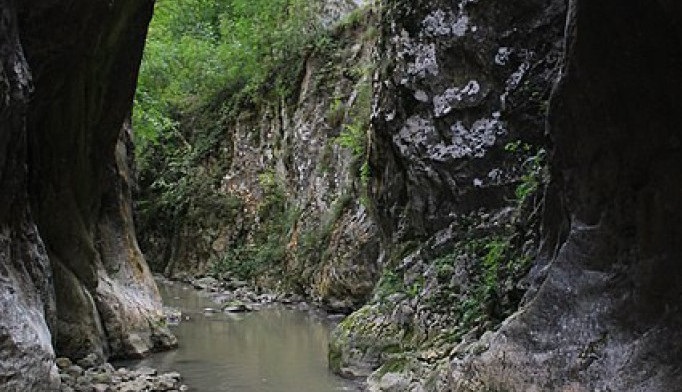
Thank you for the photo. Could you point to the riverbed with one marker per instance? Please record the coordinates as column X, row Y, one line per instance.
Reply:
column 275, row 349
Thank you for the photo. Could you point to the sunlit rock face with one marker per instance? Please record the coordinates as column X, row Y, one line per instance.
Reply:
column 71, row 272
column 607, row 316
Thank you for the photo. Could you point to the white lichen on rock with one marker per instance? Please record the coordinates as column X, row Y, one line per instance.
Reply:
column 470, row 142
column 439, row 23
column 457, row 98
column 424, row 60
column 502, row 56
column 420, row 57
column 418, row 137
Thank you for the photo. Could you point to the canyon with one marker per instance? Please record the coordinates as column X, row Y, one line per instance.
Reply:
column 488, row 190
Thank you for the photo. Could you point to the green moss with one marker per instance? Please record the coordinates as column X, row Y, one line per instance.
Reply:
column 334, row 357
column 393, row 365
column 336, row 112
column 389, row 283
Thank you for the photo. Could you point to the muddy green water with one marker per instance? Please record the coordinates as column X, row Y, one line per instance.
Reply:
column 271, row 350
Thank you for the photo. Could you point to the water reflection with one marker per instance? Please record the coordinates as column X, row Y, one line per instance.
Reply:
column 272, row 350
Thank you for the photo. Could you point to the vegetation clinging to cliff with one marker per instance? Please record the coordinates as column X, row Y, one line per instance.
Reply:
column 197, row 49
column 193, row 128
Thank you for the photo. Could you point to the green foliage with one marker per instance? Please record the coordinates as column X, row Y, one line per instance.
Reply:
column 444, row 267
column 250, row 259
column 492, row 260
column 356, row 18
column 197, row 49
column 533, row 168
column 178, row 190
column 336, row 113
column 207, row 62
column 365, row 173
column 389, row 283
column 393, row 365
column 316, row 239
column 534, row 171
column 415, row 287
column 353, row 137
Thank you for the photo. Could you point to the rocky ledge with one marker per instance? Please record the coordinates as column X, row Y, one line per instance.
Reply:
column 87, row 375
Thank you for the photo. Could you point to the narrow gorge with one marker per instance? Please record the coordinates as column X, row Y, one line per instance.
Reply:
column 483, row 194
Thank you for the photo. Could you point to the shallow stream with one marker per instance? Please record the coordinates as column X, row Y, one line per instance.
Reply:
column 272, row 350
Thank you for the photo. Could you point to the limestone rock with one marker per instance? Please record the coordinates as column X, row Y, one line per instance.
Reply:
column 71, row 271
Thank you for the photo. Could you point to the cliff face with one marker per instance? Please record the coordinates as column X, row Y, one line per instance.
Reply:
column 272, row 191
column 459, row 169
column 26, row 291
column 72, row 274
column 607, row 315
column 600, row 302
column 443, row 192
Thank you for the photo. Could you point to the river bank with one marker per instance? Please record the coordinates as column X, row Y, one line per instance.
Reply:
column 241, row 340
column 90, row 375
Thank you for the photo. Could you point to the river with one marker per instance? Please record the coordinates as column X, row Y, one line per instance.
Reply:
column 272, row 350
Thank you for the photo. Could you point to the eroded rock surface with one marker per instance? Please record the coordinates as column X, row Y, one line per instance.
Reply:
column 27, row 301
column 607, row 316
column 71, row 271
column 457, row 158
column 600, row 304
column 84, row 80
column 274, row 188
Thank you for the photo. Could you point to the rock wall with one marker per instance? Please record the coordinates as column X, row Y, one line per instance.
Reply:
column 607, row 315
column 26, row 290
column 458, row 160
column 277, row 196
column 599, row 307
column 84, row 78
column 72, row 274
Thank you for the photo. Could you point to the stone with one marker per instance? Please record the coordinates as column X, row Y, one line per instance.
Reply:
column 165, row 383
column 237, row 308
column 101, row 388
column 135, row 385
column 207, row 283
column 101, row 378
column 146, row 371
column 393, row 382
column 63, row 363
column 89, row 361
column 74, row 371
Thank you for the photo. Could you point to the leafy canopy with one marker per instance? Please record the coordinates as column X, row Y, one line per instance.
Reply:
column 197, row 49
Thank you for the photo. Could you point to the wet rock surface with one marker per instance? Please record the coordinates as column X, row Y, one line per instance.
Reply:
column 27, row 304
